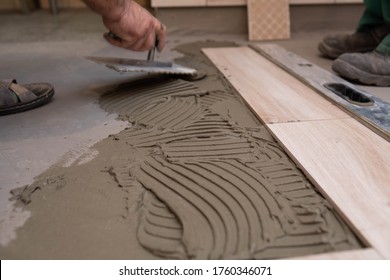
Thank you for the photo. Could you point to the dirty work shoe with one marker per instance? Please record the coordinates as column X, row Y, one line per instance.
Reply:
column 333, row 46
column 372, row 68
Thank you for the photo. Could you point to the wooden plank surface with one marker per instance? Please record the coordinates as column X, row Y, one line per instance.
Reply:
column 268, row 19
column 277, row 96
column 380, row 238
column 373, row 112
column 348, row 162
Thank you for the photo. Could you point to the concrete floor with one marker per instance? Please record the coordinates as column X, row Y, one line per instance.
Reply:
column 40, row 47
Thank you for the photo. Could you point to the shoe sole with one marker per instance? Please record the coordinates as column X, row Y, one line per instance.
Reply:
column 350, row 72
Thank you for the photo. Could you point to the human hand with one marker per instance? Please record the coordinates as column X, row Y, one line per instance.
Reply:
column 136, row 29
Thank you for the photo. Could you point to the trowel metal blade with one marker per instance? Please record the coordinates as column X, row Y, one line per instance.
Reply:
column 134, row 65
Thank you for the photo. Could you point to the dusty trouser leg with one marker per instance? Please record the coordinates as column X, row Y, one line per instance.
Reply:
column 371, row 30
column 377, row 13
column 384, row 46
column 371, row 68
column 372, row 16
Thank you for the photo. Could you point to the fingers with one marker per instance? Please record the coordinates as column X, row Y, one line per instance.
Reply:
column 119, row 42
column 143, row 43
column 146, row 42
column 149, row 42
column 113, row 41
column 157, row 30
column 137, row 30
column 161, row 32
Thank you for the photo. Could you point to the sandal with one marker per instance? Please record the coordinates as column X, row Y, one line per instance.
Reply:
column 15, row 98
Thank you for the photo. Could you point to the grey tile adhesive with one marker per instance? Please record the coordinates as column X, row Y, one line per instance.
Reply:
column 195, row 176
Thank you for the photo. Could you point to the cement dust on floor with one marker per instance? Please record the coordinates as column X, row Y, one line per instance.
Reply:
column 63, row 133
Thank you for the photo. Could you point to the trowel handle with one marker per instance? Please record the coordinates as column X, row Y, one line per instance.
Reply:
column 153, row 50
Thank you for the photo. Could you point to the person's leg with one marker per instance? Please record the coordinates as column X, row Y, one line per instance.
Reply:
column 372, row 16
column 370, row 32
column 372, row 68
column 384, row 46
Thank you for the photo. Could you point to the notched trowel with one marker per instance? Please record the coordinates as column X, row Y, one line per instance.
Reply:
column 147, row 66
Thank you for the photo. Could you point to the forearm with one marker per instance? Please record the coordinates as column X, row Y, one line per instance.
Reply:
column 110, row 9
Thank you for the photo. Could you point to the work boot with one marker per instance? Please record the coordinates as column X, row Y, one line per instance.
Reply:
column 333, row 46
column 372, row 68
